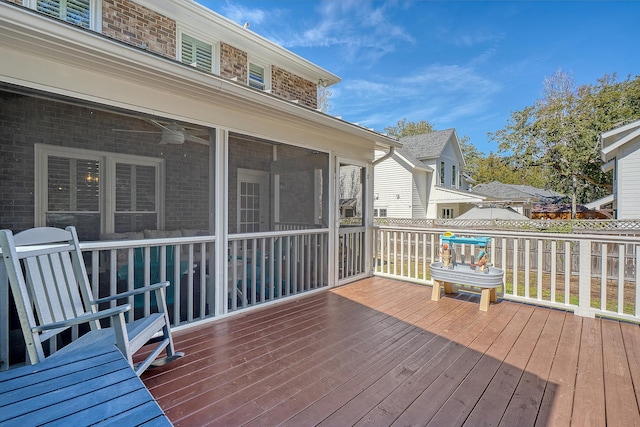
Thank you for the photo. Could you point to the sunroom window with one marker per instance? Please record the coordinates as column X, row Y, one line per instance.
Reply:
column 197, row 53
column 98, row 192
column 79, row 12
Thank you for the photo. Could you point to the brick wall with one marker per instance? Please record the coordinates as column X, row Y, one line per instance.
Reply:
column 139, row 26
column 131, row 23
column 25, row 121
column 289, row 86
column 233, row 63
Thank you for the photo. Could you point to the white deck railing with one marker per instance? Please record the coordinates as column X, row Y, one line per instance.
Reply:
column 263, row 266
column 351, row 253
column 280, row 264
column 591, row 275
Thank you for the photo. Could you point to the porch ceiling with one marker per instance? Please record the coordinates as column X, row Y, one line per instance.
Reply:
column 84, row 65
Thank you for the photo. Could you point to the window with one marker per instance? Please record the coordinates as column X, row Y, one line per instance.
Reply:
column 454, row 177
column 380, row 212
column 97, row 192
column 85, row 13
column 259, row 76
column 447, row 213
column 196, row 53
column 441, row 173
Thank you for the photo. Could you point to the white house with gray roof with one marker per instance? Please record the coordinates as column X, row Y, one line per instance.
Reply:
column 424, row 179
column 518, row 197
column 620, row 152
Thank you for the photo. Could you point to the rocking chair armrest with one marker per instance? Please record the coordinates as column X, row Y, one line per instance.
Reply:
column 84, row 318
column 134, row 292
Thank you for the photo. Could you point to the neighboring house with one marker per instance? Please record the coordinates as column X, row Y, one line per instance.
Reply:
column 521, row 198
column 620, row 152
column 122, row 116
column 489, row 211
column 424, row 179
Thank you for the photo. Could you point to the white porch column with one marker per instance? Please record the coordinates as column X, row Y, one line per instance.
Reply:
column 218, row 216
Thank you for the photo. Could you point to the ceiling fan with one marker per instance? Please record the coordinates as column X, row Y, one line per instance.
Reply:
column 171, row 133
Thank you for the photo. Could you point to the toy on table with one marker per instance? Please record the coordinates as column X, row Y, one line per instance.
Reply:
column 445, row 253
column 483, row 261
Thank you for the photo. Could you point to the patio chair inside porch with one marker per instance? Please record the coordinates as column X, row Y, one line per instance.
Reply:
column 51, row 290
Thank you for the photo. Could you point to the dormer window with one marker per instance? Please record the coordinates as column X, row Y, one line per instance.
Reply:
column 84, row 13
column 197, row 53
column 259, row 76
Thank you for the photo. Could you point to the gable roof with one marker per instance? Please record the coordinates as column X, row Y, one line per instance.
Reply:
column 428, row 145
column 611, row 141
column 499, row 190
column 492, row 212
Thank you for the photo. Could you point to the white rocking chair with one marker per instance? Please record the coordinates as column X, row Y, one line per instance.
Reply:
column 47, row 273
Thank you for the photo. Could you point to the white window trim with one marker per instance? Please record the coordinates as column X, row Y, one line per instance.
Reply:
column 95, row 20
column 448, row 208
column 107, row 197
column 265, row 66
column 215, row 45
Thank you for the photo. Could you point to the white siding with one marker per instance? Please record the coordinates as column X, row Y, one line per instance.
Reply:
column 393, row 186
column 628, row 173
column 420, row 194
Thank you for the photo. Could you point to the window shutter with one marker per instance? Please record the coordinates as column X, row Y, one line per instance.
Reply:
column 256, row 76
column 196, row 53
column 74, row 11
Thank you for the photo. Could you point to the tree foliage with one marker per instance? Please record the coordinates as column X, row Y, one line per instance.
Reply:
column 558, row 135
column 404, row 128
column 324, row 99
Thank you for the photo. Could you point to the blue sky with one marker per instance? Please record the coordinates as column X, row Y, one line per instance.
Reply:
column 464, row 65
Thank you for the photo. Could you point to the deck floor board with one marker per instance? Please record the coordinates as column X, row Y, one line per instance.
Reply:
column 378, row 352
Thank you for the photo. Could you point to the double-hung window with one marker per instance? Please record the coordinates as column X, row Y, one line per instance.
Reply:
column 98, row 192
column 85, row 13
column 197, row 53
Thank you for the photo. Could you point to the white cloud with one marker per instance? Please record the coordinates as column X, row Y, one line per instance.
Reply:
column 445, row 95
column 364, row 30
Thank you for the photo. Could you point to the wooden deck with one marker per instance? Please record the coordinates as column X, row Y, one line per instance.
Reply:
column 380, row 352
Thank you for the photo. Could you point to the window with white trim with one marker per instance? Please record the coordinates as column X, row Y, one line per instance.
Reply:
column 454, row 178
column 442, row 169
column 197, row 53
column 380, row 212
column 85, row 13
column 98, row 192
column 447, row 213
column 259, row 76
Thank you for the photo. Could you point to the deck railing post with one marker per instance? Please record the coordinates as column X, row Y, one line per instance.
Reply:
column 584, row 279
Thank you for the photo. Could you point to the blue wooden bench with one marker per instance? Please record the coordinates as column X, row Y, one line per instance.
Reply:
column 87, row 386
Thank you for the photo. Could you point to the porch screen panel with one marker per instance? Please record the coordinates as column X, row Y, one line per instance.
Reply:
column 73, row 194
column 136, row 198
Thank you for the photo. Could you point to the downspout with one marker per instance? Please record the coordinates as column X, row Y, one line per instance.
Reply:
column 392, row 150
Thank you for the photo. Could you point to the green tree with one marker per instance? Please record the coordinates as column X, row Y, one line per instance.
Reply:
column 497, row 168
column 558, row 135
column 405, row 128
